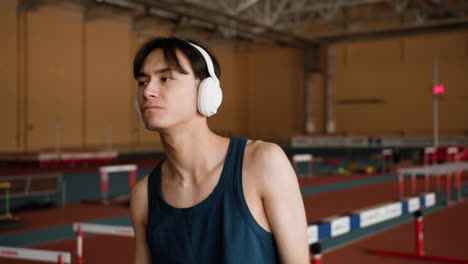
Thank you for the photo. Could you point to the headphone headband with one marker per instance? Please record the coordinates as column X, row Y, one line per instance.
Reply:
column 209, row 63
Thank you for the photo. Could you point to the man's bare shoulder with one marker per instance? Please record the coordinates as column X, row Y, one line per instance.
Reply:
column 262, row 153
column 266, row 161
column 139, row 201
column 140, row 188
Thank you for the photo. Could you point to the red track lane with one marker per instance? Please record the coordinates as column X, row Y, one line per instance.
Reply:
column 445, row 235
column 97, row 249
column 328, row 204
column 110, row 249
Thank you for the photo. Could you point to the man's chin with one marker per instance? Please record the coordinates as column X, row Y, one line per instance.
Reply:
column 155, row 126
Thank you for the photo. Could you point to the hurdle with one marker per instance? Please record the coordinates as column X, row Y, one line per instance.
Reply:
column 106, row 170
column 301, row 158
column 335, row 226
column 81, row 228
column 42, row 184
column 35, row 254
column 419, row 242
column 432, row 170
column 452, row 156
column 387, row 159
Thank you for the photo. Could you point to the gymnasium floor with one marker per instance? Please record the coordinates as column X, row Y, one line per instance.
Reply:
column 446, row 232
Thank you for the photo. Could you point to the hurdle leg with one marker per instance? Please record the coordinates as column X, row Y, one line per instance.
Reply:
column 316, row 252
column 104, row 187
column 317, row 259
column 132, row 178
column 426, row 183
column 459, row 185
column 79, row 246
column 438, row 183
column 401, row 187
column 448, row 188
column 419, row 233
column 60, row 259
column 413, row 183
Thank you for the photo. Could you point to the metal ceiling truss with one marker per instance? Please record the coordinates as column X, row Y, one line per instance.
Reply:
column 283, row 22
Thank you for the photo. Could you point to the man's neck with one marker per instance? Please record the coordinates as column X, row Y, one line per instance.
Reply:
column 192, row 153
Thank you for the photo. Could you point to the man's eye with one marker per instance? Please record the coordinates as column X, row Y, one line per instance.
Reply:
column 142, row 83
column 166, row 79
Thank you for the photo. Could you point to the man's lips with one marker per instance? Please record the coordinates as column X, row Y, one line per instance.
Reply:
column 151, row 107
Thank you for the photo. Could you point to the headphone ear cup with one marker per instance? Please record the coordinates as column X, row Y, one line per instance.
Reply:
column 210, row 97
column 137, row 109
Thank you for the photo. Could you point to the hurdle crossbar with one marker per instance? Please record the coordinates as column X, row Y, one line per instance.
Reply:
column 302, row 158
column 118, row 168
column 339, row 225
column 35, row 254
column 309, row 158
column 432, row 170
column 104, row 229
column 105, row 170
column 436, row 169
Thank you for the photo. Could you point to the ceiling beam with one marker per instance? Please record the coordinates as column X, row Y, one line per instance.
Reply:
column 450, row 24
column 211, row 15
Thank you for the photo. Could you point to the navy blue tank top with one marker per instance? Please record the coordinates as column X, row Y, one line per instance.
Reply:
column 220, row 229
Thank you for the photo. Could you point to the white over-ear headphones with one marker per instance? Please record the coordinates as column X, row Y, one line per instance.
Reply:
column 210, row 94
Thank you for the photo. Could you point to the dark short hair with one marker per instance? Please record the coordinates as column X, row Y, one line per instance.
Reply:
column 169, row 47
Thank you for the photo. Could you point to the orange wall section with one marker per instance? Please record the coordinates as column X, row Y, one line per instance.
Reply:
column 275, row 92
column 399, row 71
column 53, row 78
column 108, row 102
column 229, row 119
column 9, row 114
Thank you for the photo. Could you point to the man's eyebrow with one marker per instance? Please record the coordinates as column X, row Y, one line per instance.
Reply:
column 142, row 74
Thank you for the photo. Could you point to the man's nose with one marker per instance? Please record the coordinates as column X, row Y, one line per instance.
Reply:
column 152, row 89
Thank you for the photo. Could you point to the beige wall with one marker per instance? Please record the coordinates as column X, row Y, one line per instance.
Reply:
column 58, row 69
column 9, row 118
column 400, row 72
column 230, row 120
column 53, row 91
column 275, row 92
column 108, row 105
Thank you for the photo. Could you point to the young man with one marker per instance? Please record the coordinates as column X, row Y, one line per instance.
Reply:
column 214, row 199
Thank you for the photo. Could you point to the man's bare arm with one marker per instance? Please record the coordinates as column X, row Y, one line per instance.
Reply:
column 139, row 214
column 282, row 200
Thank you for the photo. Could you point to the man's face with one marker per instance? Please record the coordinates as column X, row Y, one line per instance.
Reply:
column 166, row 96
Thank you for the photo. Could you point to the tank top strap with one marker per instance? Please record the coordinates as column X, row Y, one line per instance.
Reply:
column 233, row 160
column 238, row 193
column 154, row 181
